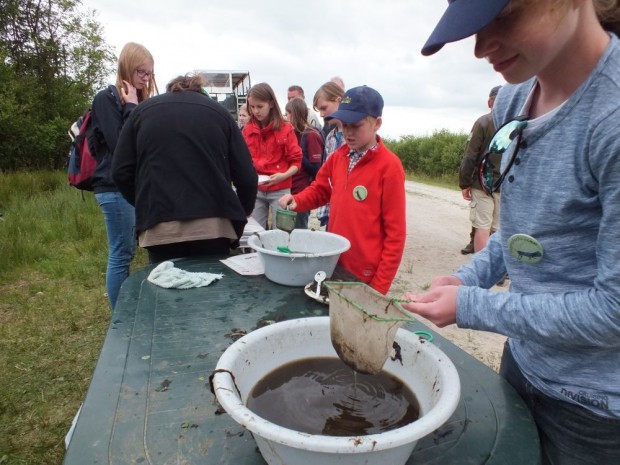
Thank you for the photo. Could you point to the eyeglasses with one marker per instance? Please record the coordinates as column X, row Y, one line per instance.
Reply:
column 502, row 139
column 144, row 74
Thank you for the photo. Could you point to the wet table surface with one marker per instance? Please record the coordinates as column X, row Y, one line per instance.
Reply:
column 149, row 401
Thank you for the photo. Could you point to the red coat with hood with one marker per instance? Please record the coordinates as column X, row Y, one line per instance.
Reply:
column 273, row 151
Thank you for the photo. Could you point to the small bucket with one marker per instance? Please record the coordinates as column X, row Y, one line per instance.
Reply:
column 285, row 219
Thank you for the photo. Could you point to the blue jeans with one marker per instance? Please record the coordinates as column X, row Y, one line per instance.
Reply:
column 569, row 434
column 120, row 223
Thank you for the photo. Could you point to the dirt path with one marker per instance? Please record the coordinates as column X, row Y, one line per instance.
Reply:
column 437, row 229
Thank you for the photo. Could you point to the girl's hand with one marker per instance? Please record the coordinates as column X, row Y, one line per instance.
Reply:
column 276, row 178
column 287, row 199
column 129, row 93
column 438, row 305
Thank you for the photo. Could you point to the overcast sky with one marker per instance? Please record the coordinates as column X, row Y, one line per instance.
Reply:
column 285, row 42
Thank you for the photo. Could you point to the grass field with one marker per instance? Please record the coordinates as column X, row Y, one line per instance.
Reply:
column 53, row 310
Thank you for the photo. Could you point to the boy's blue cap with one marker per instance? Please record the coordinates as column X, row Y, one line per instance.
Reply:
column 462, row 19
column 358, row 103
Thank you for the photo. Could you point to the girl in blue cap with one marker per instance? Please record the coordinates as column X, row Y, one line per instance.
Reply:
column 559, row 236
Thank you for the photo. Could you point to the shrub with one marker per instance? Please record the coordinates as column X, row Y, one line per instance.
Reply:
column 436, row 156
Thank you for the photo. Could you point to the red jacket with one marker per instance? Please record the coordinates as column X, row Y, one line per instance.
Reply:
column 312, row 146
column 368, row 207
column 273, row 151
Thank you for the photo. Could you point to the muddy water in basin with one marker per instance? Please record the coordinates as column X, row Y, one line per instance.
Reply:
column 324, row 396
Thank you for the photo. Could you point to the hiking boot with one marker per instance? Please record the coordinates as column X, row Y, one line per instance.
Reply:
column 469, row 248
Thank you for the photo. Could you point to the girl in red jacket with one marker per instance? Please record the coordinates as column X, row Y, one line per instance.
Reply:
column 275, row 151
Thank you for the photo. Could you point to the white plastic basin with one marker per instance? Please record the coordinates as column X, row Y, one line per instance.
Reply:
column 311, row 251
column 425, row 369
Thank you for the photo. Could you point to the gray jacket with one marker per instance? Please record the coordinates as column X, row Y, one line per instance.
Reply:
column 562, row 313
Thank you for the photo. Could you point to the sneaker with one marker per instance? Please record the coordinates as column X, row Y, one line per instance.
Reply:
column 469, row 248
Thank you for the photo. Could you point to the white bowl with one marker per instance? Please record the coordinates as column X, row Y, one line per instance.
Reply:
column 311, row 251
column 425, row 369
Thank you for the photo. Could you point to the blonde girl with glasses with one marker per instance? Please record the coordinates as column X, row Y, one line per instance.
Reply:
column 135, row 82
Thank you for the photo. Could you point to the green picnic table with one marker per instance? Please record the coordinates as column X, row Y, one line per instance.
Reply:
column 149, row 401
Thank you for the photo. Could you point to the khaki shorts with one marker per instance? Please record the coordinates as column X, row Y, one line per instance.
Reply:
column 484, row 210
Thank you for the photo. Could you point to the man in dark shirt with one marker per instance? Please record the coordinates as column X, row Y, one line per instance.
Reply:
column 484, row 209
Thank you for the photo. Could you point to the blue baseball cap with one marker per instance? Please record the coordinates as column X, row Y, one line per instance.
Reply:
column 358, row 103
column 462, row 19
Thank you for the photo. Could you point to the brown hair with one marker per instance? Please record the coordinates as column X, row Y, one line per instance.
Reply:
column 265, row 93
column 296, row 88
column 133, row 55
column 330, row 91
column 608, row 13
column 299, row 114
column 189, row 82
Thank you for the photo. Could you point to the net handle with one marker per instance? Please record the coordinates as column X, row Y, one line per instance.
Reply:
column 392, row 301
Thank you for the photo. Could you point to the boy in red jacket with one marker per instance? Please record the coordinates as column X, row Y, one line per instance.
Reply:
column 364, row 182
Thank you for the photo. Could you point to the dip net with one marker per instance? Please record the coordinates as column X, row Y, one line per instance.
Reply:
column 363, row 324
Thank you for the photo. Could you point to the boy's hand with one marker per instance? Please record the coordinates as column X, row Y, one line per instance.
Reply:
column 287, row 199
column 438, row 305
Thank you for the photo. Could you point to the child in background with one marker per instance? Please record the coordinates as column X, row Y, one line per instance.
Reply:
column 326, row 101
column 559, row 236
column 244, row 116
column 274, row 148
column 365, row 185
column 312, row 146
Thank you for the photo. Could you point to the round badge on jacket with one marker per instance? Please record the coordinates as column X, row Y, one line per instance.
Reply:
column 360, row 193
column 525, row 248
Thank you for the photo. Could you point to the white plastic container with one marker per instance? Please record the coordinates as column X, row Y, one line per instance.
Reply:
column 311, row 251
column 425, row 369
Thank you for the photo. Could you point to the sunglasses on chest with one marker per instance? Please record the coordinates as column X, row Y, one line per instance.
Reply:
column 506, row 135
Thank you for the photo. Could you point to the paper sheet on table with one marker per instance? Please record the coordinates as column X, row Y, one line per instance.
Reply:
column 247, row 264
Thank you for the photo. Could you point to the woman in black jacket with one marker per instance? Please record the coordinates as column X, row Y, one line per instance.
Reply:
column 182, row 162
column 134, row 83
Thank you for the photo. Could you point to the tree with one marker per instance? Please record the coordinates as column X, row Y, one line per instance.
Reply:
column 53, row 59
